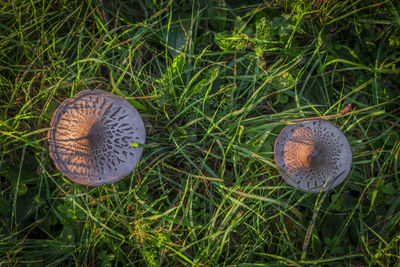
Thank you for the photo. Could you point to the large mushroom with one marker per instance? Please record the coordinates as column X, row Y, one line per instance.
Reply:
column 94, row 138
column 313, row 155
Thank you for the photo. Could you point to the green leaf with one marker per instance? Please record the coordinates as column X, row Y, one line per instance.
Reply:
column 22, row 189
column 67, row 235
column 138, row 105
column 223, row 40
column 177, row 36
column 177, row 64
column 217, row 13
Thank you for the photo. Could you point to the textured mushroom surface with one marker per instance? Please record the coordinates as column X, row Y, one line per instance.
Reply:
column 313, row 154
column 93, row 135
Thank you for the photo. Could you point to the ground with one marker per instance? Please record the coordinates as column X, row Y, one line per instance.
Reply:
column 215, row 82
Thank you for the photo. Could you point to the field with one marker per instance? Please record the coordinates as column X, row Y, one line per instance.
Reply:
column 215, row 82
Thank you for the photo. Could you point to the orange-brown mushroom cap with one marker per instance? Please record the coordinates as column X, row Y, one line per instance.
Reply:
column 313, row 155
column 91, row 137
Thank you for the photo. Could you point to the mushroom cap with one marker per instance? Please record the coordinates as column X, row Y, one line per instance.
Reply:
column 313, row 154
column 90, row 138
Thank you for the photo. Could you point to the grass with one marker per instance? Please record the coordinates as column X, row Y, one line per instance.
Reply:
column 215, row 82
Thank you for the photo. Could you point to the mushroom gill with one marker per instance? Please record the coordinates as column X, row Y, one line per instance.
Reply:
column 91, row 135
column 313, row 155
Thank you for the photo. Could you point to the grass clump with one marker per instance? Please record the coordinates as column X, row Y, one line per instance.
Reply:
column 215, row 81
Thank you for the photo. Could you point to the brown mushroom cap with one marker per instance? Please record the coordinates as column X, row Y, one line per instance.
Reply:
column 313, row 154
column 91, row 138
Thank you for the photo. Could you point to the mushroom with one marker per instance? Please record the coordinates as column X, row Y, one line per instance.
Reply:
column 93, row 138
column 313, row 155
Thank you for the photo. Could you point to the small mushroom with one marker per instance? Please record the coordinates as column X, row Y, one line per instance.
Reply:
column 313, row 155
column 93, row 138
